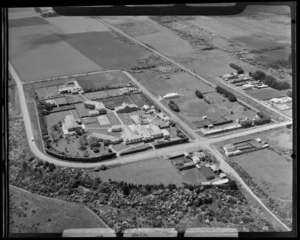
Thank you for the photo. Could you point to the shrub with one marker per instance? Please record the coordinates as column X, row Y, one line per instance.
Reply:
column 96, row 149
column 199, row 94
column 226, row 93
column 103, row 167
column 94, row 142
column 173, row 106
column 258, row 75
column 246, row 123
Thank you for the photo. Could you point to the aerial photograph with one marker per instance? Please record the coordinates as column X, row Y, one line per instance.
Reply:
column 161, row 125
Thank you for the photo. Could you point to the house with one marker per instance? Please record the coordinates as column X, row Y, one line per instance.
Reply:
column 95, row 105
column 230, row 150
column 71, row 87
column 94, row 112
column 126, row 90
column 247, row 86
column 155, row 131
column 116, row 128
column 166, row 133
column 195, row 159
column 126, row 108
column 145, row 107
column 171, row 95
column 162, row 116
column 222, row 175
column 200, row 155
column 215, row 168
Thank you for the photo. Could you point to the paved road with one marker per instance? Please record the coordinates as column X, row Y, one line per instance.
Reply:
column 186, row 69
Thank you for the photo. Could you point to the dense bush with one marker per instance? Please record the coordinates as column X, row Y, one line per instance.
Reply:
column 273, row 83
column 199, row 94
column 96, row 149
column 262, row 121
column 246, row 123
column 258, row 75
column 226, row 93
column 94, row 142
column 237, row 68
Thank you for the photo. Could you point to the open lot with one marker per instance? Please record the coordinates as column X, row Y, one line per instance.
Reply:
column 35, row 51
column 31, row 213
column 148, row 171
column 100, row 80
column 265, row 93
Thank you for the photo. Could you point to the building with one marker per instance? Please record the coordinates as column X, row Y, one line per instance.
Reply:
column 94, row 112
column 230, row 150
column 95, row 105
column 162, row 116
column 195, row 159
column 261, row 86
column 171, row 95
column 70, row 125
column 227, row 77
column 247, row 86
column 71, row 87
column 126, row 108
column 112, row 139
column 281, row 100
column 145, row 107
column 200, row 155
column 116, row 128
column 155, row 131
column 166, row 133
column 126, row 90
column 215, row 168
column 131, row 136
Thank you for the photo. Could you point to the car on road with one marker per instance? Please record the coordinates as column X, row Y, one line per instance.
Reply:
column 32, row 139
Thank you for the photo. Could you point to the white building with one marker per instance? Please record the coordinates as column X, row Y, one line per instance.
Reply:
column 116, row 128
column 166, row 133
column 95, row 105
column 71, row 87
column 171, row 95
column 146, row 108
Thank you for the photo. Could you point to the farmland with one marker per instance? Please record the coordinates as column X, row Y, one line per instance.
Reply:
column 32, row 213
column 148, row 171
column 265, row 93
column 96, row 81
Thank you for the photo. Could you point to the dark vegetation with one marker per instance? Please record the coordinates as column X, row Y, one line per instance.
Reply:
column 199, row 94
column 237, row 68
column 174, row 106
column 226, row 93
column 270, row 80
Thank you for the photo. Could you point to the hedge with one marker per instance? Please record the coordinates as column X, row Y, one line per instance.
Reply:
column 80, row 159
column 137, row 149
column 173, row 106
column 169, row 143
column 236, row 67
column 226, row 93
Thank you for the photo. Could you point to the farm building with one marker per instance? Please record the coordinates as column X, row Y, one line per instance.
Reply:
column 166, row 133
column 112, row 139
column 71, row 87
column 171, row 95
column 126, row 108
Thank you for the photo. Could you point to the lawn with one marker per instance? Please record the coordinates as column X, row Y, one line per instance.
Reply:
column 113, row 118
column 125, row 118
column 54, row 118
column 139, row 100
column 265, row 93
column 148, row 171
column 270, row 171
column 95, row 95
column 31, row 213
column 111, row 103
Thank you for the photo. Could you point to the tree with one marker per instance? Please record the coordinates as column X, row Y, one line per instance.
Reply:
column 24, row 165
column 126, row 190
column 94, row 142
column 96, row 149
column 199, row 94
column 106, row 142
column 258, row 75
column 246, row 123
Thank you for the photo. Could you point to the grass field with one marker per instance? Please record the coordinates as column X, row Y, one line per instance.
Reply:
column 149, row 171
column 35, row 125
column 109, row 53
column 31, row 213
column 96, row 81
column 138, row 100
column 265, row 93
column 113, row 118
column 35, row 52
column 13, row 101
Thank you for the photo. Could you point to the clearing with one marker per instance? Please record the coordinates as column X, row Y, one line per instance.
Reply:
column 148, row 171
column 30, row 213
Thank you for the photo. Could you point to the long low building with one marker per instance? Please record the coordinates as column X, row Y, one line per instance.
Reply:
column 112, row 139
